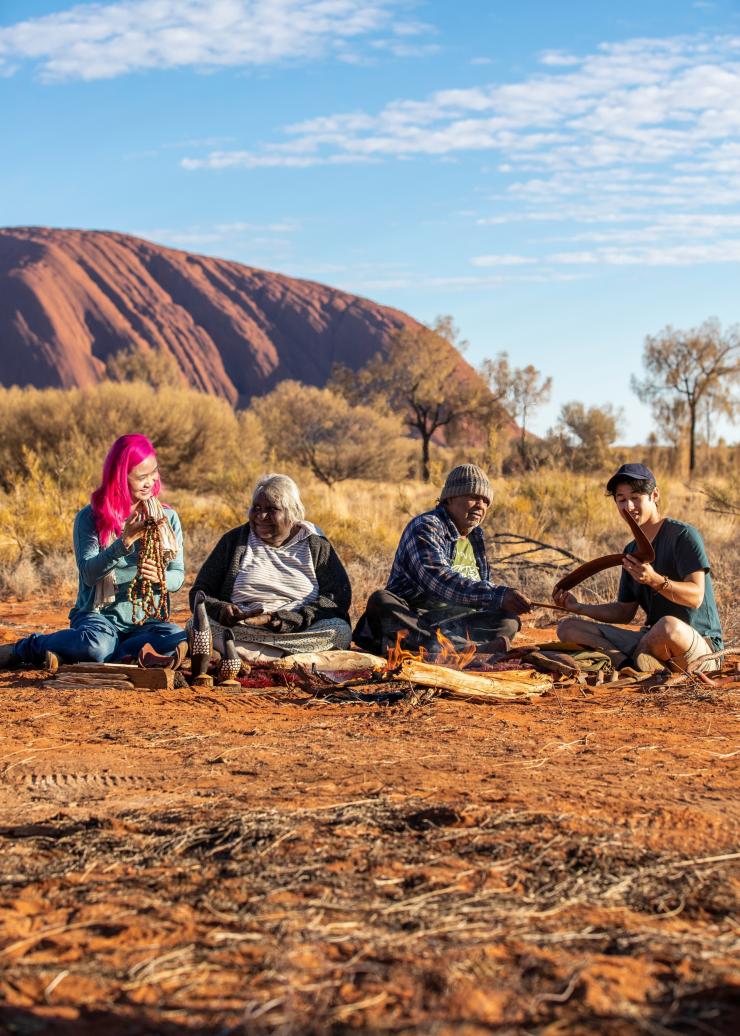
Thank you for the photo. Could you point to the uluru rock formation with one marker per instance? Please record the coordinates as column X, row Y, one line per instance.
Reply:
column 69, row 299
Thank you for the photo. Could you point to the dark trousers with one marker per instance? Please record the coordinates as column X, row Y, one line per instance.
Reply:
column 386, row 615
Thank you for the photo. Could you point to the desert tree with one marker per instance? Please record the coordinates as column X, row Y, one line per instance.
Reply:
column 420, row 376
column 687, row 372
column 321, row 430
column 518, row 391
column 587, row 433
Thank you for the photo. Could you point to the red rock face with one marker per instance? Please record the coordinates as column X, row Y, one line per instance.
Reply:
column 71, row 298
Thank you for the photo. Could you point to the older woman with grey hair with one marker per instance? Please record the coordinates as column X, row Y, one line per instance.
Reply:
column 276, row 581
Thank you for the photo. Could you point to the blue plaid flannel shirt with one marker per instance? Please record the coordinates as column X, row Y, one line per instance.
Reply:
column 422, row 568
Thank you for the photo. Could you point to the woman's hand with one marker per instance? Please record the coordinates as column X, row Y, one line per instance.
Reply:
column 258, row 621
column 230, row 614
column 565, row 599
column 148, row 570
column 641, row 572
column 133, row 528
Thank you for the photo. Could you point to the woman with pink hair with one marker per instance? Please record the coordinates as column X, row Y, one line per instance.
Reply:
column 121, row 604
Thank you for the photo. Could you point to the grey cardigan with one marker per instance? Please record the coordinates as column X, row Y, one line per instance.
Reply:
column 219, row 570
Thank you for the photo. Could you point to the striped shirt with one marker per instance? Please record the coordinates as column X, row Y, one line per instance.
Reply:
column 278, row 578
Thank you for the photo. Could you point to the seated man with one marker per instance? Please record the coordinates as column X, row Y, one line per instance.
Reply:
column 439, row 579
column 682, row 625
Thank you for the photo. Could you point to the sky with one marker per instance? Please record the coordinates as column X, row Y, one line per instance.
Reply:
column 563, row 178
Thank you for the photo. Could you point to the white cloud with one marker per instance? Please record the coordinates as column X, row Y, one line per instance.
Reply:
column 727, row 251
column 222, row 234
column 104, row 40
column 559, row 58
column 623, row 140
column 285, row 226
column 639, row 103
column 460, row 282
column 501, row 260
column 404, row 49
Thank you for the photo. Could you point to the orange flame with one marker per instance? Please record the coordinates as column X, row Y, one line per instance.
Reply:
column 448, row 656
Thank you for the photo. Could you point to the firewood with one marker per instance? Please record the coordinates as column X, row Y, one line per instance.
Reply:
column 552, row 662
column 482, row 687
column 331, row 661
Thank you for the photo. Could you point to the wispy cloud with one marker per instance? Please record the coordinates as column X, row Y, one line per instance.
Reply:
column 501, row 260
column 458, row 282
column 221, row 235
column 559, row 58
column 727, row 251
column 636, row 130
column 101, row 41
column 640, row 102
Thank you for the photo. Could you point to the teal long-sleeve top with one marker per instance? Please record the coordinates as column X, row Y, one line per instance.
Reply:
column 94, row 561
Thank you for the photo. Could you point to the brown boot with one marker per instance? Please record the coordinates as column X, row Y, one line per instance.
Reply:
column 646, row 663
column 498, row 646
column 8, row 657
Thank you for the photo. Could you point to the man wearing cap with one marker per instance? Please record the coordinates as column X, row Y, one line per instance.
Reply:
column 682, row 628
column 439, row 579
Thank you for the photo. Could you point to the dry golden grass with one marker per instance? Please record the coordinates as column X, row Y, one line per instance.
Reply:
column 365, row 519
column 53, row 444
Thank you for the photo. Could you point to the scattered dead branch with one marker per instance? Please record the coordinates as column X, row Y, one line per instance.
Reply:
column 238, row 898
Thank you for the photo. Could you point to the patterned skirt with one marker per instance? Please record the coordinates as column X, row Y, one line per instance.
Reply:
column 324, row 635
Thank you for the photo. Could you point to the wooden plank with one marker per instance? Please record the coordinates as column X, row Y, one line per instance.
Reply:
column 71, row 684
column 98, row 668
column 102, row 673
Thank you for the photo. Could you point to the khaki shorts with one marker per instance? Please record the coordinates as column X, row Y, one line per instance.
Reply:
column 627, row 640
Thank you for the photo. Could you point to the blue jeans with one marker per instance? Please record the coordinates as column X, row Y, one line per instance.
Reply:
column 93, row 638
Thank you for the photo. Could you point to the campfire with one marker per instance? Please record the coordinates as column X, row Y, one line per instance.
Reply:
column 447, row 655
column 443, row 670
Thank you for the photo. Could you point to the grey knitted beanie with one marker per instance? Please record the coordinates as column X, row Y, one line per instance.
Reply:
column 466, row 480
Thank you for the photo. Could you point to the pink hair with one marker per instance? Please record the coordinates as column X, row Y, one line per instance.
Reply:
column 112, row 501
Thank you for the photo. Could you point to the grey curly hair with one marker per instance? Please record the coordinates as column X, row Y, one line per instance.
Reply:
column 281, row 491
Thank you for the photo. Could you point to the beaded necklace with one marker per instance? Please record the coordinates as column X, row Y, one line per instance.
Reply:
column 141, row 590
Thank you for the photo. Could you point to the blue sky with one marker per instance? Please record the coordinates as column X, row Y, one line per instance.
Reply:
column 562, row 177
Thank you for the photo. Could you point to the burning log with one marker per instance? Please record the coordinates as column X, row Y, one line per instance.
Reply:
column 513, row 685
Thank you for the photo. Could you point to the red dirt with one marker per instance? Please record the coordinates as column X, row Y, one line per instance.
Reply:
column 218, row 862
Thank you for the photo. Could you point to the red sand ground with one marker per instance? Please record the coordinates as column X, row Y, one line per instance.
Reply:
column 219, row 862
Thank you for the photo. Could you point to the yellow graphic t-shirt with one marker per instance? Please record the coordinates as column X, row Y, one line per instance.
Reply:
column 464, row 560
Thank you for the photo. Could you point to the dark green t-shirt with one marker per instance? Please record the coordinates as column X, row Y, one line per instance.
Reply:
column 679, row 551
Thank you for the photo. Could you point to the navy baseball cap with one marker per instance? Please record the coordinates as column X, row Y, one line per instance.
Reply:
column 627, row 472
